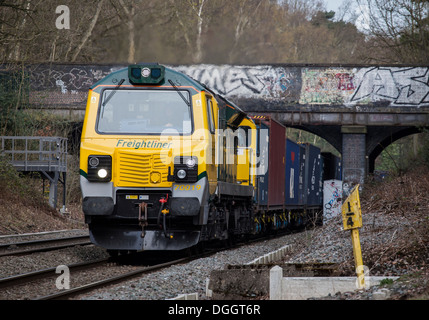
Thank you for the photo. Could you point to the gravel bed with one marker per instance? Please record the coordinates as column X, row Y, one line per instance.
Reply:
column 184, row 278
column 382, row 237
column 163, row 284
column 391, row 244
column 36, row 261
column 46, row 286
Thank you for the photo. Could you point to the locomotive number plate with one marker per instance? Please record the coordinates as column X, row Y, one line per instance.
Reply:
column 135, row 197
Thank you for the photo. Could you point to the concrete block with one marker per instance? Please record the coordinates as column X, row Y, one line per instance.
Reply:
column 308, row 287
column 187, row 296
column 300, row 288
column 276, row 276
column 238, row 284
column 209, row 292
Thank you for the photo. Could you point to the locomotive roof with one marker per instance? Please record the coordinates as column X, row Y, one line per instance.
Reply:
column 170, row 79
column 179, row 79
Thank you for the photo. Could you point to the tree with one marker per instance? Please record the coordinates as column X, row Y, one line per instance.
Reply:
column 130, row 9
column 176, row 32
column 398, row 30
column 14, row 20
column 245, row 14
column 88, row 32
column 191, row 17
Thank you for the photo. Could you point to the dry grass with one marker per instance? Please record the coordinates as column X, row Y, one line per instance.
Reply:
column 18, row 218
column 24, row 208
column 404, row 200
column 405, row 195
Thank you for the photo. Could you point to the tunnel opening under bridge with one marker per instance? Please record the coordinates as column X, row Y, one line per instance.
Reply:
column 397, row 152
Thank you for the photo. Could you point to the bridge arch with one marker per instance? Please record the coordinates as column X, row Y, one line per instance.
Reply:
column 377, row 143
column 332, row 134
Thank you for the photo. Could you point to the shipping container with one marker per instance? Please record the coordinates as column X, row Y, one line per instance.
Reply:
column 262, row 143
column 294, row 182
column 302, row 185
column 331, row 166
column 271, row 185
column 338, row 169
column 313, row 180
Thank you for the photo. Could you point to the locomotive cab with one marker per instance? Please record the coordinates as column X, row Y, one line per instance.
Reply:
column 148, row 162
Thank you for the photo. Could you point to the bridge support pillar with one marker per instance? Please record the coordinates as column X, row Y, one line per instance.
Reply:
column 353, row 156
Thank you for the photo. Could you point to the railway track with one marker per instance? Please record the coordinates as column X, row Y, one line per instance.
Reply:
column 18, row 279
column 27, row 247
column 109, row 281
column 85, row 276
column 42, row 284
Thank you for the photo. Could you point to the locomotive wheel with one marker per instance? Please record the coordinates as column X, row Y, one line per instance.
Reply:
column 113, row 253
column 197, row 249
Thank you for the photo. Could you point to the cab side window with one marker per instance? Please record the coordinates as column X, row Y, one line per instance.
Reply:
column 210, row 115
column 244, row 138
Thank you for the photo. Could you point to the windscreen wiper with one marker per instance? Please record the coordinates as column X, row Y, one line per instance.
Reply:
column 113, row 92
column 178, row 91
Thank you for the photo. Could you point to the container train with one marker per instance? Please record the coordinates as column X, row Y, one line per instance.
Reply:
column 167, row 164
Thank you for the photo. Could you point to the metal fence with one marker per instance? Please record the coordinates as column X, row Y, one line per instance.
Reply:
column 47, row 154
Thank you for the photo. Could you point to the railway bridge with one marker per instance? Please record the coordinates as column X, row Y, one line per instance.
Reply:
column 359, row 109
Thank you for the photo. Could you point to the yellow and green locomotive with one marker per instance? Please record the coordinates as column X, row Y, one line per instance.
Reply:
column 165, row 163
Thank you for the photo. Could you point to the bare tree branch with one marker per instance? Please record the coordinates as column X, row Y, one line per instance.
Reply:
column 89, row 31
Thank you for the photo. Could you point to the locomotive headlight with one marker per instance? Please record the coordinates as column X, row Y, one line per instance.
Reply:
column 181, row 174
column 185, row 169
column 156, row 73
column 102, row 173
column 190, row 162
column 93, row 162
column 99, row 168
column 146, row 73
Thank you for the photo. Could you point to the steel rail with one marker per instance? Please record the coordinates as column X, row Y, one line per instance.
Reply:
column 5, row 247
column 98, row 284
column 112, row 280
column 44, row 273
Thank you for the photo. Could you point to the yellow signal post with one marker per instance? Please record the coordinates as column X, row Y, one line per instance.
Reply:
column 352, row 220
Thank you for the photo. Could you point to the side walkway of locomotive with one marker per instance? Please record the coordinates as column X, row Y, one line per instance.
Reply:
column 165, row 164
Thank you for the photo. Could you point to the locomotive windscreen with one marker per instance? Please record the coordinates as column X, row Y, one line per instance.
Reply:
column 144, row 112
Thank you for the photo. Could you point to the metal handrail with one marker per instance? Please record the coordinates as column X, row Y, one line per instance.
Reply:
column 28, row 153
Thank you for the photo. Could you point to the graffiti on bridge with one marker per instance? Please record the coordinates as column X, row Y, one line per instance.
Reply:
column 396, row 86
column 282, row 84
